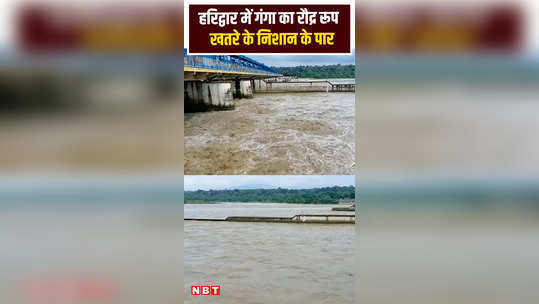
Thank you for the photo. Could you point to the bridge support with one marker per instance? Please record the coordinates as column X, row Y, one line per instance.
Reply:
column 205, row 96
column 242, row 89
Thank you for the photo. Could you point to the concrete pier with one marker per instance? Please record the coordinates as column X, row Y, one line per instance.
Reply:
column 211, row 82
column 204, row 96
column 209, row 96
column 242, row 89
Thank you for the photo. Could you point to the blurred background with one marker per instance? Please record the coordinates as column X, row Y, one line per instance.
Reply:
column 449, row 168
column 91, row 152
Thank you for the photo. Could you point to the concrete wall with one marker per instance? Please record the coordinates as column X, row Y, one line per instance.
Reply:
column 315, row 219
column 262, row 86
column 325, row 218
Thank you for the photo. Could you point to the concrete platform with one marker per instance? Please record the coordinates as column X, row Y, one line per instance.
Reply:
column 298, row 219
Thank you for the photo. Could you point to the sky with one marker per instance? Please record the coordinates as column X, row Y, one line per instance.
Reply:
column 218, row 182
column 295, row 60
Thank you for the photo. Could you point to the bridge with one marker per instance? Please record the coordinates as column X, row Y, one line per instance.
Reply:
column 212, row 82
column 225, row 67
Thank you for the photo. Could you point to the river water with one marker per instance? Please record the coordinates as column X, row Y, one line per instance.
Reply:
column 274, row 133
column 268, row 262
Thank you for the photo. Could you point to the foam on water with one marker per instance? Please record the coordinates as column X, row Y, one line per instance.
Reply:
column 299, row 133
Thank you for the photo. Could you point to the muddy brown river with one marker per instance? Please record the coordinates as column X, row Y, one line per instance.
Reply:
column 262, row 263
column 274, row 133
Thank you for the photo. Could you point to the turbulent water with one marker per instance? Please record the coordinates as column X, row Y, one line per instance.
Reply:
column 223, row 210
column 274, row 133
column 268, row 262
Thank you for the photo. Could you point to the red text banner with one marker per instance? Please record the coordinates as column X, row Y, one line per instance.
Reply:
column 438, row 29
column 141, row 28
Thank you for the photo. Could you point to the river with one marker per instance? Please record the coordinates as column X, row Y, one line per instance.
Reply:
column 274, row 133
column 268, row 262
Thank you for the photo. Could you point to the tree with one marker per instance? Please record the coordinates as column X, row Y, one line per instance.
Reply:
column 326, row 195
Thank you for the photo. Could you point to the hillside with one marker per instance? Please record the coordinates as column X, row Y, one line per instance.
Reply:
column 327, row 195
column 319, row 71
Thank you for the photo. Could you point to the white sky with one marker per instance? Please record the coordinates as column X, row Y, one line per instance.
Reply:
column 216, row 182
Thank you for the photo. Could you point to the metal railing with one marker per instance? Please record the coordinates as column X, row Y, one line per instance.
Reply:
column 228, row 63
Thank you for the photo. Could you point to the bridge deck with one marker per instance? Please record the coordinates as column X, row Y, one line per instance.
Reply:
column 227, row 64
column 232, row 72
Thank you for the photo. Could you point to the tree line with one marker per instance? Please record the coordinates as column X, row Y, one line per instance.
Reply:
column 326, row 195
column 319, row 71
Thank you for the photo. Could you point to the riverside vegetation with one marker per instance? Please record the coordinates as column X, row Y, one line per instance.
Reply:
column 319, row 71
column 326, row 195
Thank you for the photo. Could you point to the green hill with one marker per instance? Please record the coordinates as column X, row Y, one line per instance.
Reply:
column 327, row 195
column 319, row 71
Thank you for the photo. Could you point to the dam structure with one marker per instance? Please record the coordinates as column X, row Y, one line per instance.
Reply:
column 213, row 82
column 297, row 219
column 289, row 84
